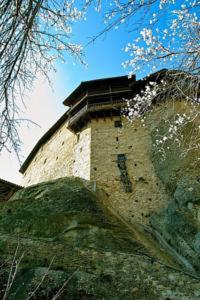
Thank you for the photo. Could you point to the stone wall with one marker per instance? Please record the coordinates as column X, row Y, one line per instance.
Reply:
column 82, row 153
column 65, row 154
column 133, row 140
column 93, row 155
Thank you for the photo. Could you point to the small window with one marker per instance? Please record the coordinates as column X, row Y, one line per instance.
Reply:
column 45, row 160
column 117, row 139
column 121, row 157
column 118, row 123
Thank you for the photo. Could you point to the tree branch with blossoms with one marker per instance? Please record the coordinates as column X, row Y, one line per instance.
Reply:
column 167, row 36
column 34, row 34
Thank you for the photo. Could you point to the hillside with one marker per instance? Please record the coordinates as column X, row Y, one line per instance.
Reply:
column 69, row 240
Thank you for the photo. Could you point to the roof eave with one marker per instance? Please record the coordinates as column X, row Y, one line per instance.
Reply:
column 68, row 101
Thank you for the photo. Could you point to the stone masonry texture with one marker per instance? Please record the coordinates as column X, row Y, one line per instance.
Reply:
column 92, row 154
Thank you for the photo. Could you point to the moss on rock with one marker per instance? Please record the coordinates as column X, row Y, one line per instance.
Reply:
column 71, row 246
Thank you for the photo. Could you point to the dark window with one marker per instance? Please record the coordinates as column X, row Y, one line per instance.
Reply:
column 121, row 157
column 45, row 160
column 118, row 123
column 117, row 139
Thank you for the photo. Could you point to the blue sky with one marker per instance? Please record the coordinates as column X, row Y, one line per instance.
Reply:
column 104, row 57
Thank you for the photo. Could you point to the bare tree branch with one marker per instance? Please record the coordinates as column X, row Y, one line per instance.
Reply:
column 34, row 33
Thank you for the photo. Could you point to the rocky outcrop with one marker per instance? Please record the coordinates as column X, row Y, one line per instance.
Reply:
column 71, row 247
column 178, row 223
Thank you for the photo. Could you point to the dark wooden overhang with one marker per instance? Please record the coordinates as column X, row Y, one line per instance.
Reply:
column 99, row 87
column 98, row 98
column 7, row 189
column 107, row 105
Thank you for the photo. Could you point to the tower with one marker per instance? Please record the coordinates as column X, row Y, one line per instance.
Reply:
column 94, row 141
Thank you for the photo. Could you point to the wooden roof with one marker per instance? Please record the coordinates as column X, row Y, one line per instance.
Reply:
column 7, row 189
column 91, row 84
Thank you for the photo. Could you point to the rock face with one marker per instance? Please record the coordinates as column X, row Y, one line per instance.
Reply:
column 72, row 247
column 178, row 223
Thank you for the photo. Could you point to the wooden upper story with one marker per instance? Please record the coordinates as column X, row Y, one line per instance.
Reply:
column 98, row 98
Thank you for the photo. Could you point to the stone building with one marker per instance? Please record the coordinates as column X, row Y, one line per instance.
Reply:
column 92, row 140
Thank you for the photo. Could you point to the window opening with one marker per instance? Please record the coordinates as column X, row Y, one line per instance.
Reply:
column 118, row 123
